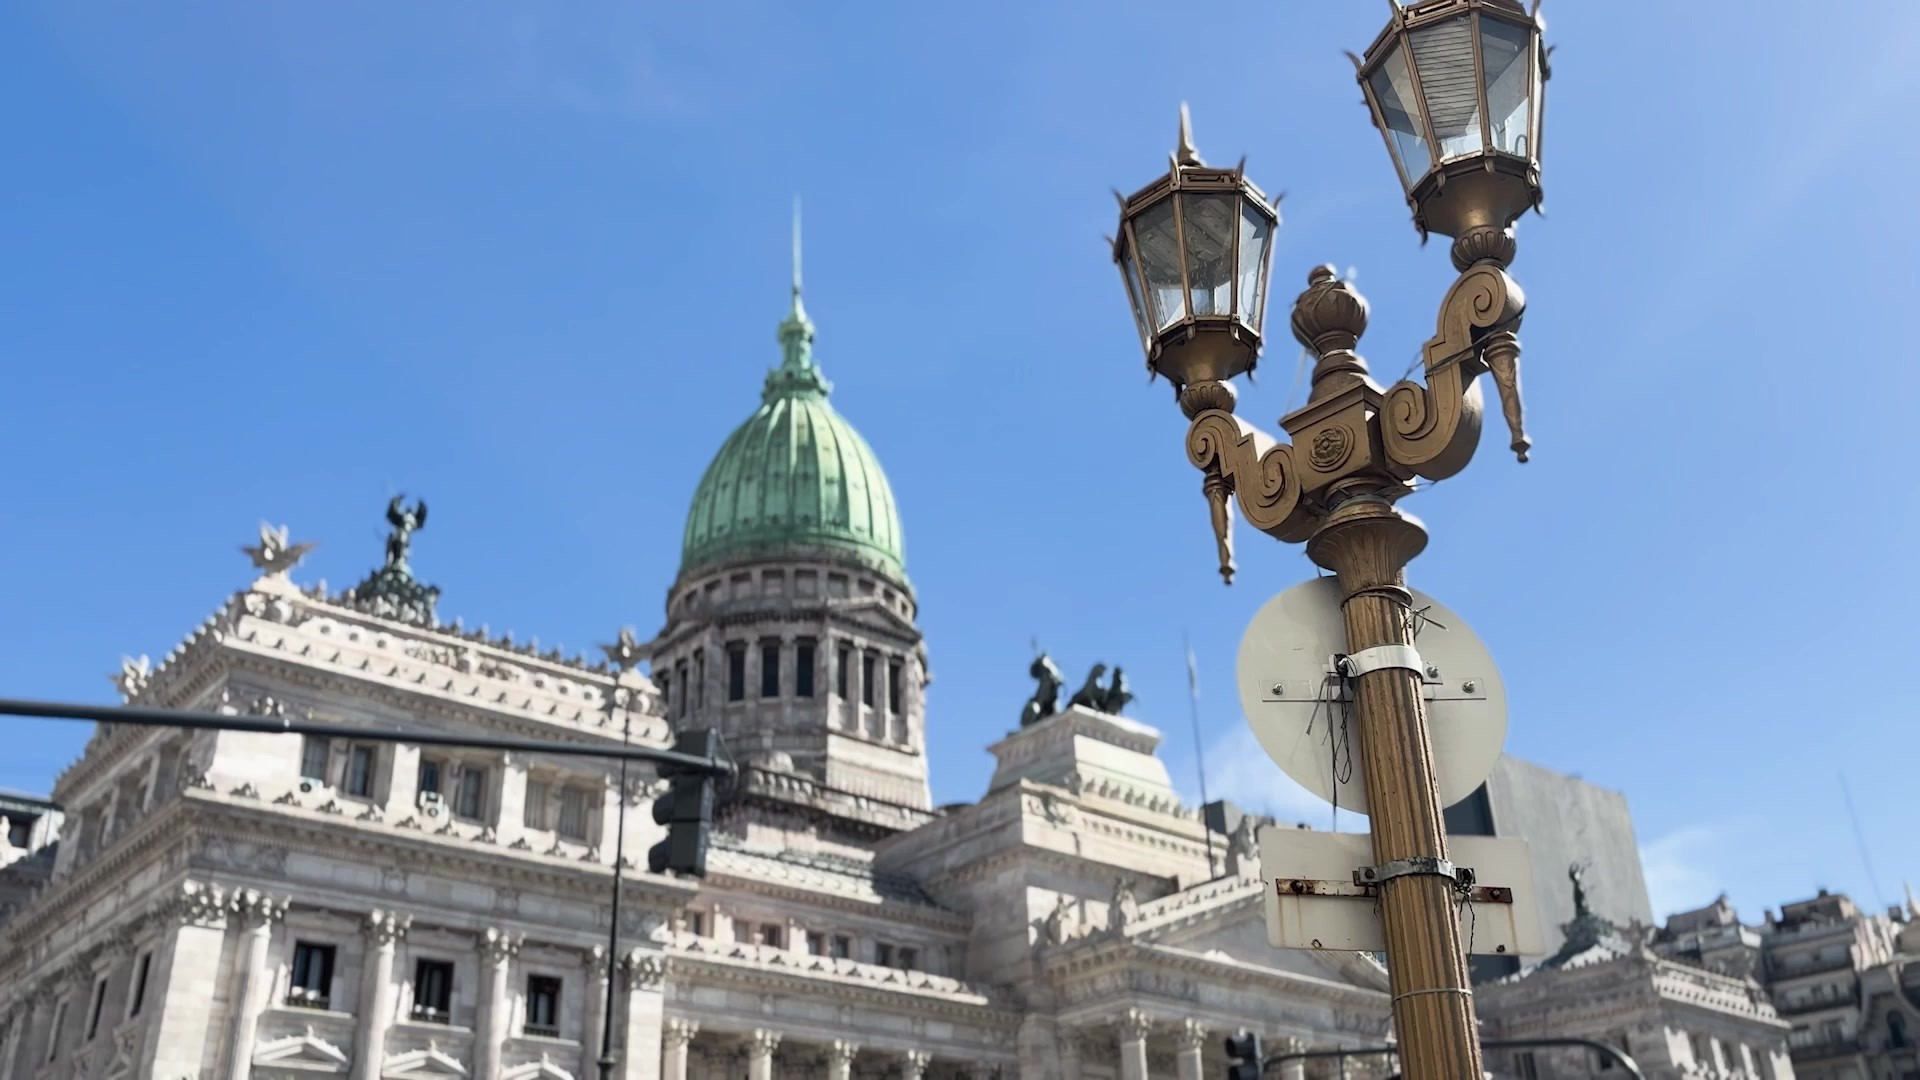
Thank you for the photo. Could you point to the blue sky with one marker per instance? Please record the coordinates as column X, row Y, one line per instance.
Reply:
column 282, row 260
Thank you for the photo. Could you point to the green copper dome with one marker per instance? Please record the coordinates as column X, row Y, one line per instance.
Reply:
column 796, row 478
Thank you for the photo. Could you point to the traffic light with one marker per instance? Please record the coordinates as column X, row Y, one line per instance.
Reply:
column 1244, row 1049
column 686, row 809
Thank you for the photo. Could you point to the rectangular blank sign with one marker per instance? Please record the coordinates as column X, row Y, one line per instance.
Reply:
column 1349, row 923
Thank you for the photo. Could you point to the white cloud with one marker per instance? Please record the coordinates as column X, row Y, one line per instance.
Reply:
column 1677, row 870
column 1240, row 771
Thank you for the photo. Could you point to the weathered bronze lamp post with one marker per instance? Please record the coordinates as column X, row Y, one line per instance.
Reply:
column 1455, row 86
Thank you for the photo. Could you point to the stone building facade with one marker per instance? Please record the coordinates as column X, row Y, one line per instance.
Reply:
column 1607, row 984
column 270, row 906
column 1830, row 969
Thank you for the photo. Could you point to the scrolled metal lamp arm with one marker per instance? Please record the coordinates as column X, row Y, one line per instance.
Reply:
column 1352, row 438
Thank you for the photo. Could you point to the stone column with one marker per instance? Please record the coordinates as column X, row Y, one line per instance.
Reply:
column 840, row 1057
column 913, row 1066
column 511, row 823
column 186, row 979
column 593, row 1030
column 403, row 781
column 1291, row 1044
column 497, row 950
column 760, row 1047
column 644, row 975
column 1134, row 1027
column 1191, row 1040
column 256, row 913
column 383, row 931
column 16, row 1057
column 675, row 1034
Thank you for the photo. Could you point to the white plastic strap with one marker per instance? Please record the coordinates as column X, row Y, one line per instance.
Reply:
column 1381, row 658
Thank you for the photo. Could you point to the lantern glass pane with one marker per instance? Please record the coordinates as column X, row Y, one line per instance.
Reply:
column 1209, row 220
column 1131, row 272
column 1256, row 234
column 1504, row 54
column 1399, row 106
column 1160, row 259
column 1444, row 54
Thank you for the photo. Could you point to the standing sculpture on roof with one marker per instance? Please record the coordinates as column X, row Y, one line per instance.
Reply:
column 404, row 523
column 1577, row 874
column 391, row 591
column 1109, row 699
column 1046, row 697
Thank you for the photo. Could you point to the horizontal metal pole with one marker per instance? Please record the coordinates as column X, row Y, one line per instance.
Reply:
column 1617, row 1055
column 142, row 716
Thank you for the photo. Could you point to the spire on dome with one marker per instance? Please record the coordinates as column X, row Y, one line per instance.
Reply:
column 796, row 373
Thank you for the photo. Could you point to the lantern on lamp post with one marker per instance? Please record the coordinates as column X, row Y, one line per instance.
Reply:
column 1193, row 250
column 1456, row 88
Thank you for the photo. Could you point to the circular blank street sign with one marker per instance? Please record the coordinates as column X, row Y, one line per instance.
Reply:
column 1304, row 717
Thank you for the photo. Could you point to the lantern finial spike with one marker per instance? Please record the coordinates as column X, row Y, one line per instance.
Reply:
column 796, row 247
column 1186, row 155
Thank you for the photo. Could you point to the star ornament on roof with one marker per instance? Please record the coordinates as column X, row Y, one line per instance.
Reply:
column 624, row 653
column 275, row 554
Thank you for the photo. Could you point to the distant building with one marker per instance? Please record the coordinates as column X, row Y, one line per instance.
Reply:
column 1890, row 1006
column 1607, row 984
column 1565, row 821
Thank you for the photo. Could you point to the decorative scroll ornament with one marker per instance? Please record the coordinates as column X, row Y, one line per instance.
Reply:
column 1259, row 470
column 1433, row 430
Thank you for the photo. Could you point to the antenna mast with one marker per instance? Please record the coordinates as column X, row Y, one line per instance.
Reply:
column 1199, row 747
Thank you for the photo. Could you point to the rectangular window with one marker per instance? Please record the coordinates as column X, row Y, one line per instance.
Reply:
column 534, row 812
column 360, row 772
column 842, row 947
column 866, row 679
column 432, row 991
column 742, row 932
column 736, row 671
column 473, row 793
column 311, row 986
column 93, row 1008
column 842, row 671
column 313, row 758
column 803, row 669
column 573, row 813
column 770, row 935
column 680, row 673
column 430, row 775
column 543, row 1006
column 893, row 686
column 883, row 954
column 816, row 943
column 699, row 678
column 770, row 669
column 1529, row 1067
column 665, row 682
column 139, row 996
column 910, row 959
column 697, row 924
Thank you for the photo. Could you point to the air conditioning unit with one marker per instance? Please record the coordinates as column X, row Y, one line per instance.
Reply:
column 306, row 787
column 432, row 801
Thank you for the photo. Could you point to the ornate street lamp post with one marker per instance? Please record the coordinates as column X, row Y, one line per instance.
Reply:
column 1455, row 86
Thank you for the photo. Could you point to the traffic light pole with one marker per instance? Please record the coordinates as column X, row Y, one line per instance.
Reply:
column 607, row 1060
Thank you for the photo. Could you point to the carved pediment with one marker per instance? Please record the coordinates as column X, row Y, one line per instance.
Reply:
column 432, row 1063
column 1238, row 932
column 306, row 1052
column 543, row 1069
